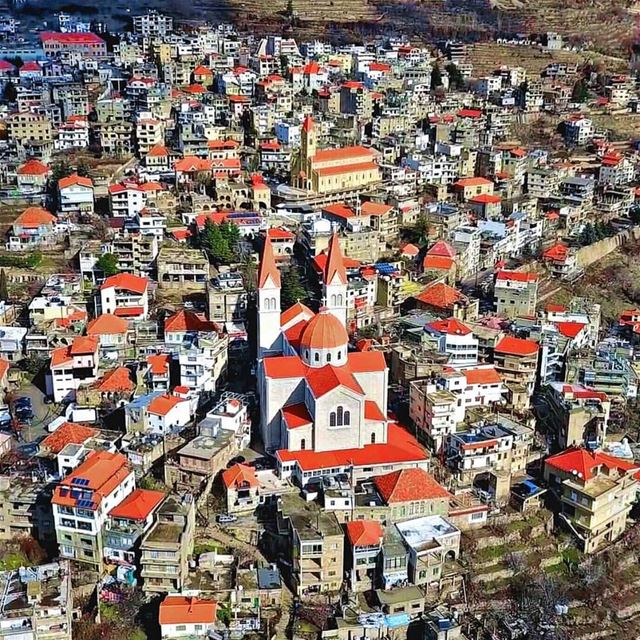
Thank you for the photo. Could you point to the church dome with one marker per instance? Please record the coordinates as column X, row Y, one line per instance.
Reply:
column 324, row 331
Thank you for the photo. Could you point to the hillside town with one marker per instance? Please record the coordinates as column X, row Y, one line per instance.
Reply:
column 311, row 340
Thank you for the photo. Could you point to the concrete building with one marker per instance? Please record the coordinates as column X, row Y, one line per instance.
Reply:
column 515, row 293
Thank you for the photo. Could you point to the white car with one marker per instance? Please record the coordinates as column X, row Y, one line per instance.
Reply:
column 225, row 518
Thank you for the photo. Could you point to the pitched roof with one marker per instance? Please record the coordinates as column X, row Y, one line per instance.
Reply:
column 295, row 310
column 159, row 363
column 407, row 485
column 268, row 269
column 162, row 405
column 107, row 324
column 296, row 415
column 184, row 320
column 325, row 379
column 486, row 198
column 33, row 167
column 373, row 412
column 138, row 505
column 443, row 249
column 587, row 463
column 67, row 433
column 450, row 326
column 102, row 472
column 557, row 253
column 239, row 475
column 187, row 610
column 126, row 281
column 34, row 217
column 73, row 180
column 517, row 346
column 440, row 295
column 83, row 345
column 401, row 446
column 438, row 263
column 334, row 268
column 481, row 375
column 472, row 182
column 364, row 533
column 517, row 276
column 570, row 329
column 116, row 380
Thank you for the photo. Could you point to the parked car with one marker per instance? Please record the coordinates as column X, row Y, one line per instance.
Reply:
column 225, row 518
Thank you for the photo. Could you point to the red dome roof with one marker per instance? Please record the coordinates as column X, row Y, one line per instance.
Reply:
column 324, row 331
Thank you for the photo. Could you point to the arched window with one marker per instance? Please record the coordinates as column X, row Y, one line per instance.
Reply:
column 347, row 418
column 267, row 304
column 329, row 357
column 340, row 416
column 273, row 304
column 306, row 354
column 303, row 444
column 373, row 437
column 339, row 355
column 332, row 419
column 339, row 299
column 316, row 357
column 333, row 300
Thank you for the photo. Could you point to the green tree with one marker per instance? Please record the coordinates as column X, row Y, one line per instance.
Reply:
column 59, row 170
column 456, row 79
column 292, row 290
column 588, row 235
column 108, row 264
column 436, row 77
column 4, row 288
column 83, row 169
column 10, row 93
column 231, row 233
column 580, row 91
column 213, row 242
column 249, row 274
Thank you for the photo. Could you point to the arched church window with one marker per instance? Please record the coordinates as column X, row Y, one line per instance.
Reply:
column 339, row 355
column 316, row 357
column 329, row 357
column 332, row 419
column 333, row 300
column 373, row 437
column 303, row 444
column 347, row 418
column 267, row 304
column 339, row 414
column 339, row 300
column 273, row 304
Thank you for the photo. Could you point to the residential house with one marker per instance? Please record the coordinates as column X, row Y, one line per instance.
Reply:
column 186, row 617
column 75, row 194
column 364, row 539
column 124, row 295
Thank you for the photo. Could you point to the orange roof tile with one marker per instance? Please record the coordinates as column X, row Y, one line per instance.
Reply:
column 34, row 217
column 67, row 433
column 102, row 472
column 373, row 412
column 347, row 168
column 324, row 331
column 570, row 329
column 73, row 180
column 517, row 346
column 482, row 375
column 268, row 269
column 587, row 463
column 138, row 505
column 107, row 324
column 159, row 363
column 295, row 310
column 334, row 269
column 437, row 263
column 441, row 296
column 401, row 446
column 325, row 379
column 450, row 326
column 517, row 276
column 239, row 476
column 407, row 485
column 296, row 415
column 184, row 320
column 187, row 610
column 33, row 167
column 364, row 533
column 126, row 281
column 117, row 380
column 442, row 249
column 162, row 405
column 472, row 182
column 84, row 345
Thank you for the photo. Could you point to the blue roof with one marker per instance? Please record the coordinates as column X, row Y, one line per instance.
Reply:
column 143, row 401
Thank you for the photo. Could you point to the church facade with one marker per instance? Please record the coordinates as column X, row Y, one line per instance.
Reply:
column 330, row 170
column 323, row 407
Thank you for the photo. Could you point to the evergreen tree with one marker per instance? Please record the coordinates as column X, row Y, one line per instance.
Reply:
column 10, row 93
column 436, row 77
column 4, row 288
column 108, row 264
column 292, row 290
column 231, row 234
column 580, row 92
column 456, row 79
column 215, row 244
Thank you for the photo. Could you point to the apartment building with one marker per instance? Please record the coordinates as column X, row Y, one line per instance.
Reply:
column 364, row 538
column 82, row 501
column 595, row 493
column 453, row 339
column 316, row 546
column 435, row 413
column 516, row 294
column 75, row 194
column 166, row 548
column 29, row 127
column 180, row 268
column 516, row 360
column 227, row 298
column 72, row 366
column 578, row 415
column 124, row 295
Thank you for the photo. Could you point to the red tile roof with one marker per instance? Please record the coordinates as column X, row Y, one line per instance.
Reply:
column 295, row 310
column 84, row 345
column 184, row 320
column 441, row 296
column 107, row 324
column 346, row 168
column 407, row 485
column 33, row 167
column 373, row 412
column 159, row 363
column 103, row 472
column 486, row 198
column 324, row 331
column 34, row 217
column 442, row 249
column 438, row 263
column 296, row 415
column 67, row 433
column 238, row 476
column 557, row 253
column 282, row 367
column 187, row 610
column 587, row 463
column 138, row 505
column 451, row 326
column 364, row 533
column 117, row 380
column 325, row 379
column 401, row 446
column 517, row 346
column 334, row 269
column 71, row 37
column 126, row 281
column 73, row 180
column 268, row 269
column 482, row 375
column 162, row 405
column 570, row 329
column 472, row 182
column 127, row 312
column 517, row 276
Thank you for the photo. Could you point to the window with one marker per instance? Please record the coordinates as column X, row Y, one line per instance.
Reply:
column 332, row 419
column 347, row 418
column 303, row 444
column 340, row 417
column 316, row 357
column 329, row 357
column 373, row 437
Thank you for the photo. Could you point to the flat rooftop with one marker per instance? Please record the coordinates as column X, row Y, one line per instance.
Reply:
column 421, row 532
column 166, row 533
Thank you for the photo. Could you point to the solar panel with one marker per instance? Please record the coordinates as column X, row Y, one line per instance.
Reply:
column 84, row 504
column 81, row 482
